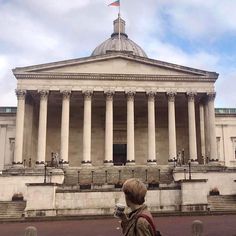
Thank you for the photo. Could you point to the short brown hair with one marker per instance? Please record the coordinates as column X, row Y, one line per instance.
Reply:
column 135, row 190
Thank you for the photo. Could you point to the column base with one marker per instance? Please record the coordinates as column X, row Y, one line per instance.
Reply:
column 63, row 164
column 194, row 162
column 172, row 162
column 108, row 163
column 130, row 162
column 66, row 165
column 40, row 164
column 86, row 163
column 213, row 162
column 17, row 165
column 151, row 162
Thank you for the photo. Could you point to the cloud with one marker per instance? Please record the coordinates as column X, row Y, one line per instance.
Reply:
column 225, row 87
column 182, row 32
column 200, row 19
column 174, row 54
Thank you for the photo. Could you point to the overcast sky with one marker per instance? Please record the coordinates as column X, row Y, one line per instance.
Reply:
column 196, row 33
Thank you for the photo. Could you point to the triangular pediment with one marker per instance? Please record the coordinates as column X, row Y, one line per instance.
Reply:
column 113, row 64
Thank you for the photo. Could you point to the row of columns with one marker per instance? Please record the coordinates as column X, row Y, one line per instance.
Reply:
column 209, row 116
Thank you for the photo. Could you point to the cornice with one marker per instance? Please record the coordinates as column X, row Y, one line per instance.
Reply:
column 97, row 76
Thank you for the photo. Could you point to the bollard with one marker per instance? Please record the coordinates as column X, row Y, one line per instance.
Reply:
column 197, row 228
column 31, row 231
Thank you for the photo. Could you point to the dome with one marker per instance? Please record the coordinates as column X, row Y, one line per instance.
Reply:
column 114, row 44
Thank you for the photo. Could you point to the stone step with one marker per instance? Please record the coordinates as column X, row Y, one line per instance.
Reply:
column 9, row 209
column 222, row 202
column 101, row 175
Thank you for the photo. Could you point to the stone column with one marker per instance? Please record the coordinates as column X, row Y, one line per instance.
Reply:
column 18, row 153
column 65, row 122
column 207, row 135
column 151, row 129
column 212, row 131
column 202, row 133
column 192, row 127
column 130, row 128
column 42, row 131
column 109, row 129
column 87, row 128
column 171, row 126
column 3, row 134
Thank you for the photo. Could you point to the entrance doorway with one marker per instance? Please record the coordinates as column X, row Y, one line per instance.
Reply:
column 119, row 154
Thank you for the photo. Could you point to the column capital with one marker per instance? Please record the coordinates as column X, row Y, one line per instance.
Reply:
column 20, row 93
column 171, row 96
column 211, row 96
column 65, row 94
column 130, row 94
column 43, row 94
column 191, row 96
column 87, row 94
column 151, row 95
column 109, row 94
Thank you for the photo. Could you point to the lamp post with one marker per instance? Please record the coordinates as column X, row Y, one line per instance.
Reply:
column 146, row 175
column 45, row 172
column 189, row 169
column 105, row 176
column 175, row 161
column 183, row 161
column 78, row 177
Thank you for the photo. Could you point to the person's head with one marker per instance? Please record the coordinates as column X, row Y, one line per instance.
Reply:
column 134, row 191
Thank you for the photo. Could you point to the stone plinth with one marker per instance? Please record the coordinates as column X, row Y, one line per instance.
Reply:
column 40, row 200
column 194, row 195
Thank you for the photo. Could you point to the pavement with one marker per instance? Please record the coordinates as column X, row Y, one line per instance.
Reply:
column 215, row 225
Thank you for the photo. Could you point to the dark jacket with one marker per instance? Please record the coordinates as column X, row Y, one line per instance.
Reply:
column 143, row 228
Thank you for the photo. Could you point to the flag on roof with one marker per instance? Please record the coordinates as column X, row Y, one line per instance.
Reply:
column 115, row 4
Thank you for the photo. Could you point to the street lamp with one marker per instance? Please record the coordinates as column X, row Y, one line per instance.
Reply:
column 45, row 172
column 189, row 169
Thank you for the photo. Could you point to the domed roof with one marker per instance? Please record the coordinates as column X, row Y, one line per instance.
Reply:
column 119, row 42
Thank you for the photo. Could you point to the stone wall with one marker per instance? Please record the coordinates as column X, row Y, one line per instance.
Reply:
column 222, row 180
column 10, row 184
column 102, row 202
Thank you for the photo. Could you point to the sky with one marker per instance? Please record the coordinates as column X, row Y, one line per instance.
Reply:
column 195, row 33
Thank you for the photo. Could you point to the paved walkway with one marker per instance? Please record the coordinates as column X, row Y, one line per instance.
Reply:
column 224, row 225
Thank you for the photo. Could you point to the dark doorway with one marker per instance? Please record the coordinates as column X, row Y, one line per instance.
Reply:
column 119, row 154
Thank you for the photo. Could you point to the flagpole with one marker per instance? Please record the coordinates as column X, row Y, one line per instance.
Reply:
column 119, row 27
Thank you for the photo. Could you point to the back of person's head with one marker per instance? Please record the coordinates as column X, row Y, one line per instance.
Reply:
column 31, row 231
column 135, row 191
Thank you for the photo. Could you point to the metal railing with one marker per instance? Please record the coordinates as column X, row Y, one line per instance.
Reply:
column 8, row 109
column 225, row 111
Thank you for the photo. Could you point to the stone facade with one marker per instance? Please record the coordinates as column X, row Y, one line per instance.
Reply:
column 114, row 108
column 154, row 110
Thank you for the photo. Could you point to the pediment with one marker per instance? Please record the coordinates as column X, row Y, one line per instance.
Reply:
column 118, row 64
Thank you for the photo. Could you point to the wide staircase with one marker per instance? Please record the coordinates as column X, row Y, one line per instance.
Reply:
column 222, row 203
column 12, row 209
column 113, row 175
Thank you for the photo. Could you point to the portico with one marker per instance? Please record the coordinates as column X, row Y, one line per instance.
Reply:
column 153, row 119
column 148, row 110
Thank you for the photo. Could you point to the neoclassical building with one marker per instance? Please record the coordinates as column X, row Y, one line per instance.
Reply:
column 115, row 107
column 110, row 116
